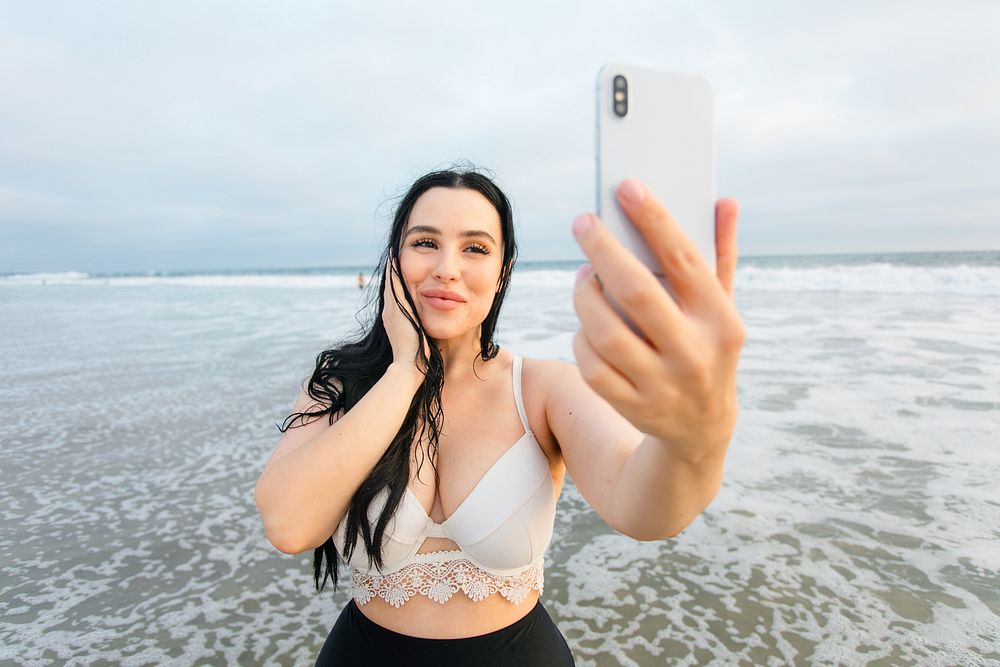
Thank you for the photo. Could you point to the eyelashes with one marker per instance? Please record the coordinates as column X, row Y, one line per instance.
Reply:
column 477, row 247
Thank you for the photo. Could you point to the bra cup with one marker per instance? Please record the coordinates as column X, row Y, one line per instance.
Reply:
column 506, row 549
column 410, row 521
column 393, row 554
column 543, row 510
column 522, row 538
column 400, row 539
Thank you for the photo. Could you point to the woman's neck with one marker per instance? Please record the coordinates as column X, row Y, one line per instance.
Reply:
column 461, row 359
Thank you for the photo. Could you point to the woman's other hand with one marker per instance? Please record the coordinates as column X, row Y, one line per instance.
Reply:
column 677, row 381
column 402, row 338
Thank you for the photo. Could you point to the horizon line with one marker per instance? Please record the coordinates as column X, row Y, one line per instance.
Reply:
column 520, row 260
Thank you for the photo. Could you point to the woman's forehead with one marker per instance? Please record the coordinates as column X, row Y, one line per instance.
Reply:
column 455, row 210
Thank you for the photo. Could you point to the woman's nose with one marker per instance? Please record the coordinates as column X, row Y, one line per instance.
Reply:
column 446, row 267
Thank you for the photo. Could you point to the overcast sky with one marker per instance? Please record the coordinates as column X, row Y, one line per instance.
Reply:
column 224, row 135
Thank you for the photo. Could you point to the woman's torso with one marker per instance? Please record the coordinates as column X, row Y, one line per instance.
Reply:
column 481, row 422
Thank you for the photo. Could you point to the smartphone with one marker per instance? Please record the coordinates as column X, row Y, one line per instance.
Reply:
column 658, row 127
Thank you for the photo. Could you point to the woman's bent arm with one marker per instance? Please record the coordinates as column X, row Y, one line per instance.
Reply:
column 308, row 484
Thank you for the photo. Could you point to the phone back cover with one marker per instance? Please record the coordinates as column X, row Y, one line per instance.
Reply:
column 666, row 139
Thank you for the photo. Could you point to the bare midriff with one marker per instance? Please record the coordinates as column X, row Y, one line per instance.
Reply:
column 459, row 617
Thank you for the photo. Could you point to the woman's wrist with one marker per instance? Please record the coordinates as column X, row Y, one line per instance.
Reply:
column 408, row 374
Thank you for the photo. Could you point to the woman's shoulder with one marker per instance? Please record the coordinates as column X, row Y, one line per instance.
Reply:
column 542, row 376
column 542, row 379
column 545, row 366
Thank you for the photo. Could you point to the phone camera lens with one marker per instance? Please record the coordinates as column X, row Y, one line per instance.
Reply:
column 620, row 95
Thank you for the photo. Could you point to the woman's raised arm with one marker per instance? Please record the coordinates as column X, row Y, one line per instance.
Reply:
column 675, row 383
column 312, row 475
column 315, row 469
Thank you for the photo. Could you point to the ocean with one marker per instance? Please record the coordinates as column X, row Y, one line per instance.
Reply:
column 858, row 522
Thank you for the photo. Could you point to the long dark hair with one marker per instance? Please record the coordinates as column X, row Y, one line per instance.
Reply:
column 357, row 365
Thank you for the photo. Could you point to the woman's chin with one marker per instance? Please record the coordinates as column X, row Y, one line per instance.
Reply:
column 440, row 333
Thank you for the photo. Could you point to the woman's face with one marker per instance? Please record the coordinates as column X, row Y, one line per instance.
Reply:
column 451, row 254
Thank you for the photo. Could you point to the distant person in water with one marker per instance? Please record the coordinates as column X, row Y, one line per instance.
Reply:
column 361, row 280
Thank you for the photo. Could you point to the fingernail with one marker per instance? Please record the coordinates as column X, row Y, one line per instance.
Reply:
column 584, row 271
column 582, row 223
column 632, row 191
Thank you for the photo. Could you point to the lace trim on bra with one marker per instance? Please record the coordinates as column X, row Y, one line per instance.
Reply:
column 440, row 574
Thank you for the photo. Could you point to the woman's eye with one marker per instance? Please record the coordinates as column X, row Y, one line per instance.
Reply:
column 429, row 243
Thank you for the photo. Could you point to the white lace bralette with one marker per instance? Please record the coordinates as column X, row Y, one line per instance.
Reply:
column 439, row 575
column 502, row 530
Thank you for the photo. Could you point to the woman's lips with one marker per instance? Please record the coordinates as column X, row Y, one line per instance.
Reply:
column 442, row 304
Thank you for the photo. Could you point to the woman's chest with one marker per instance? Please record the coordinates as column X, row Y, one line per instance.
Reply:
column 478, row 432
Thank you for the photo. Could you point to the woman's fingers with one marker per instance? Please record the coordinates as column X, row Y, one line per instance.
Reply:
column 628, row 281
column 608, row 337
column 679, row 383
column 387, row 290
column 397, row 290
column 394, row 298
column 403, row 338
column 690, row 277
column 727, row 213
column 604, row 378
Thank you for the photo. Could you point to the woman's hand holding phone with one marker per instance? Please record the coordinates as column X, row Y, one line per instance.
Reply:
column 677, row 380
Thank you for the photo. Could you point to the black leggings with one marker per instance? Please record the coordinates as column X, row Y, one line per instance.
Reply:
column 533, row 640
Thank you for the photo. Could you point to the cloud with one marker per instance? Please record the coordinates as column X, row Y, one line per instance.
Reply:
column 170, row 136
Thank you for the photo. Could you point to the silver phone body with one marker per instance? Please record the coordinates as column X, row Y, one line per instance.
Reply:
column 667, row 140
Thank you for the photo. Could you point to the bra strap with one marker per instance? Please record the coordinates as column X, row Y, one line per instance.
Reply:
column 517, row 393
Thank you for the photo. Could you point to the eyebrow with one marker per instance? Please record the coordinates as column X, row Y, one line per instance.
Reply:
column 469, row 233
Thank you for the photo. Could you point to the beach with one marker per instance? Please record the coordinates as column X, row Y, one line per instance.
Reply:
column 858, row 522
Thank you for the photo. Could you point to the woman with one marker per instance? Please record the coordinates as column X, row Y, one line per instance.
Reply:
column 447, row 568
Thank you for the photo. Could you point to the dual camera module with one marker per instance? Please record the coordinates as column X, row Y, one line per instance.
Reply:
column 619, row 95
